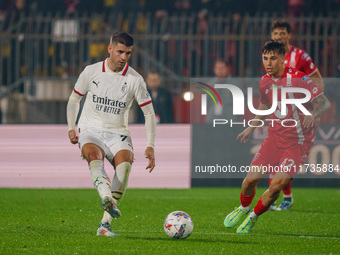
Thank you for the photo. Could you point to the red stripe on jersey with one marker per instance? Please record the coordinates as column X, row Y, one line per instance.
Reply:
column 80, row 94
column 126, row 68
column 104, row 66
column 148, row 102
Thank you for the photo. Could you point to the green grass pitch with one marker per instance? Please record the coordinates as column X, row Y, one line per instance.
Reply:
column 61, row 221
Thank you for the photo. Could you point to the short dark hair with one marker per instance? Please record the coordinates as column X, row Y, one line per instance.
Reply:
column 153, row 71
column 281, row 23
column 221, row 61
column 274, row 46
column 121, row 37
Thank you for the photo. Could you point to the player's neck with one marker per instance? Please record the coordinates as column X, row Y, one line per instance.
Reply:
column 112, row 67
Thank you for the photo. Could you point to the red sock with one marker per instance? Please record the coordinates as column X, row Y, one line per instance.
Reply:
column 260, row 208
column 246, row 200
column 287, row 190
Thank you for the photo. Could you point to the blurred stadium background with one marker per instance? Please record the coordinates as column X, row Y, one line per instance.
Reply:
column 44, row 45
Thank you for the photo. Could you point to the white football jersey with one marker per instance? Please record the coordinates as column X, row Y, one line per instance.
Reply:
column 109, row 97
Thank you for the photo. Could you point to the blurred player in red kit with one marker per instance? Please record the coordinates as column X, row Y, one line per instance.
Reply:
column 296, row 58
column 281, row 152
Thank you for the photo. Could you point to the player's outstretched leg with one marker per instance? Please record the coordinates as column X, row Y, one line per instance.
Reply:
column 105, row 230
column 99, row 178
column 118, row 187
column 274, row 206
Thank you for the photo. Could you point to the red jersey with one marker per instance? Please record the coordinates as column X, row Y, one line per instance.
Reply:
column 299, row 59
column 288, row 136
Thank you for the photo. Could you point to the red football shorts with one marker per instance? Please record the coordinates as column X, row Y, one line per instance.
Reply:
column 273, row 158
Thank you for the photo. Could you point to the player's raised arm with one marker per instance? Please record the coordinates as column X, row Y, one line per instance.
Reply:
column 317, row 78
column 150, row 128
column 320, row 106
column 244, row 136
column 72, row 113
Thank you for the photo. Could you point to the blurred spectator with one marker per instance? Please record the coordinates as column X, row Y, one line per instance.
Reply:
column 183, row 6
column 4, row 6
column 295, row 7
column 161, row 99
column 222, row 76
column 17, row 7
column 71, row 6
column 160, row 9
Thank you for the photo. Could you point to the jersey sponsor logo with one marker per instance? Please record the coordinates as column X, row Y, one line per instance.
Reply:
column 305, row 55
column 311, row 66
column 96, row 83
column 108, row 101
column 305, row 78
column 124, row 88
column 276, row 86
column 108, row 105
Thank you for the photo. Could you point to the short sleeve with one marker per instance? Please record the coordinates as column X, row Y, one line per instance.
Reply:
column 307, row 65
column 82, row 84
column 142, row 95
column 308, row 83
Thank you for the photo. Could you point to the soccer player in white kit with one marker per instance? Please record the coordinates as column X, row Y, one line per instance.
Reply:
column 111, row 87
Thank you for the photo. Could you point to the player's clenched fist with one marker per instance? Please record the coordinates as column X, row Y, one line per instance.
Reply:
column 73, row 136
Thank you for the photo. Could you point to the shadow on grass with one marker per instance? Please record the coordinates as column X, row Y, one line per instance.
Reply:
column 312, row 211
column 303, row 236
column 189, row 239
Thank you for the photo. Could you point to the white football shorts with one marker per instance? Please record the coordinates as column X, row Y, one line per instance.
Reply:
column 110, row 143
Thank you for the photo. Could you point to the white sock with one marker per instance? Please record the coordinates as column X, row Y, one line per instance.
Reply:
column 253, row 215
column 118, row 186
column 246, row 209
column 99, row 178
column 291, row 195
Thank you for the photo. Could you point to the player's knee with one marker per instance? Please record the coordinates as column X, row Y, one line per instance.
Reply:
column 277, row 185
column 92, row 156
column 250, row 181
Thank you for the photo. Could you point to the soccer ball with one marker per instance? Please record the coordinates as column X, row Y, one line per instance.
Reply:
column 178, row 225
